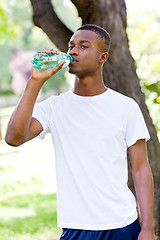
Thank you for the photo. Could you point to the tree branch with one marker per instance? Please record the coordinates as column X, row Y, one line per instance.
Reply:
column 45, row 18
column 83, row 9
column 80, row 5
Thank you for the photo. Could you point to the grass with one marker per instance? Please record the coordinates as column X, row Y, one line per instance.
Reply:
column 27, row 190
column 29, row 216
column 26, row 211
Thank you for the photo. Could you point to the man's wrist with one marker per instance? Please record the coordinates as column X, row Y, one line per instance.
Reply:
column 36, row 80
column 148, row 226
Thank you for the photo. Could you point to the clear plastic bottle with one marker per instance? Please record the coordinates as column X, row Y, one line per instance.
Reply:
column 50, row 60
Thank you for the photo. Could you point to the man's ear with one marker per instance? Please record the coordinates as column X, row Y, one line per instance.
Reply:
column 103, row 57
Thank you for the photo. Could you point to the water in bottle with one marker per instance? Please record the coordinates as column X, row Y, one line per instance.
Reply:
column 50, row 60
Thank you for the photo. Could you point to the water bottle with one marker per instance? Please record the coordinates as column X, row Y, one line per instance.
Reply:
column 50, row 60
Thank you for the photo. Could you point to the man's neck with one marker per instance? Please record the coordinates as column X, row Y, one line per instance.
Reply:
column 88, row 86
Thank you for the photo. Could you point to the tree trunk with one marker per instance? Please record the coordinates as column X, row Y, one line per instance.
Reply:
column 119, row 71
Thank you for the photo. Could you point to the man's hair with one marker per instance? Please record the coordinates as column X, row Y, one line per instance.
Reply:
column 101, row 32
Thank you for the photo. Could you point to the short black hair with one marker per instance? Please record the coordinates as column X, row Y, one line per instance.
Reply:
column 101, row 32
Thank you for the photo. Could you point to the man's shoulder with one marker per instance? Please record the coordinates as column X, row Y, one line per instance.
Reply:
column 57, row 96
column 121, row 98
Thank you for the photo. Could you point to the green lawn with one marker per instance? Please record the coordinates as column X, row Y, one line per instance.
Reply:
column 27, row 211
column 28, row 216
column 27, row 191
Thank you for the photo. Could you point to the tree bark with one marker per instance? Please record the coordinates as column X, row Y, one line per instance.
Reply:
column 119, row 71
column 45, row 17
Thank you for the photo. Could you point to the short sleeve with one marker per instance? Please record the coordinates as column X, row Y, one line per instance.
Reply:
column 136, row 127
column 42, row 112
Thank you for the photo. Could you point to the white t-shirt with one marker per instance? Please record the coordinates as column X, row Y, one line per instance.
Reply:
column 91, row 136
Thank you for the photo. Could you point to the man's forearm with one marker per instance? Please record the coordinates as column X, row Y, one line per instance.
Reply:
column 18, row 126
column 21, row 117
column 145, row 195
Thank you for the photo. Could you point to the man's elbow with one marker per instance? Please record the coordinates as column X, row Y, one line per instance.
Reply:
column 13, row 141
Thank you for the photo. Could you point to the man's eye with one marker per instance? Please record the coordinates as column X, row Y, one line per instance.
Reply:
column 70, row 47
column 83, row 46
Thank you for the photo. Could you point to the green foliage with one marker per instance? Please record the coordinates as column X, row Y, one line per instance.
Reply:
column 154, row 88
column 144, row 43
column 8, row 29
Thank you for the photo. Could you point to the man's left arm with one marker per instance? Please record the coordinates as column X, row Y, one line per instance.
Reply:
column 143, row 182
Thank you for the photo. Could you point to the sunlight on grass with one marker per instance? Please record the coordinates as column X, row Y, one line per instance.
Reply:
column 29, row 216
column 27, row 190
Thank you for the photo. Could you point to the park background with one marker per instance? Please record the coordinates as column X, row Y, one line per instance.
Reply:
column 28, row 185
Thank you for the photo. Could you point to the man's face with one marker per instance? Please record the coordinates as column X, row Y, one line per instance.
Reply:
column 85, row 48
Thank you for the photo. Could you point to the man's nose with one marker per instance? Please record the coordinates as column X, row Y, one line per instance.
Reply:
column 74, row 51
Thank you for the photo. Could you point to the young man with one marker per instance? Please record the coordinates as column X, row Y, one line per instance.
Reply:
column 92, row 127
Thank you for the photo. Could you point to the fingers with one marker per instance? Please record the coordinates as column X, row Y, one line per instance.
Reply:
column 50, row 51
column 60, row 65
column 47, row 73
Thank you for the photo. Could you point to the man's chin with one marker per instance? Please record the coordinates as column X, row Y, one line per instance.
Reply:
column 72, row 71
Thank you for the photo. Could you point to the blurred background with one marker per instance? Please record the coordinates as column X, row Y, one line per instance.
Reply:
column 27, row 173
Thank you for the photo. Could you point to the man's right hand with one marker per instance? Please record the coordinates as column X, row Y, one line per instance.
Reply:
column 41, row 75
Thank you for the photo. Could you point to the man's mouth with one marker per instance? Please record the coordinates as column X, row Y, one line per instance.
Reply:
column 75, row 60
